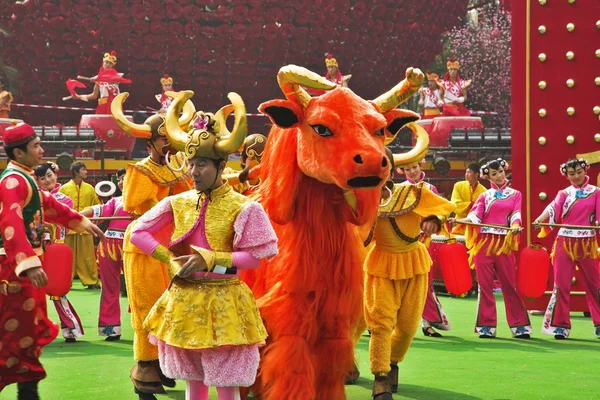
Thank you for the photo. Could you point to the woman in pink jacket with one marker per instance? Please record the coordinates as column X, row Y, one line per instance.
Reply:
column 579, row 205
column 493, row 251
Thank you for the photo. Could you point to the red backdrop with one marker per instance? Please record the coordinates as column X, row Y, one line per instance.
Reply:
column 214, row 47
column 528, row 99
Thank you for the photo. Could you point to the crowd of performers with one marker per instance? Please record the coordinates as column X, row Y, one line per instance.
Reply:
column 197, row 225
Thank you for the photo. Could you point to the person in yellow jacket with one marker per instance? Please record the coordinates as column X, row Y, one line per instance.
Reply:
column 464, row 195
column 84, row 256
column 396, row 276
column 148, row 181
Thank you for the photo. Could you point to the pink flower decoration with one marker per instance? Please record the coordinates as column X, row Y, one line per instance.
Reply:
column 201, row 123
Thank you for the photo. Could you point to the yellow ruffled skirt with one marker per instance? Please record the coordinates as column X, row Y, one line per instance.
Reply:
column 206, row 313
column 398, row 265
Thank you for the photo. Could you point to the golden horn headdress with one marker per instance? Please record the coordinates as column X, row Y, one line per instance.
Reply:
column 254, row 146
column 207, row 136
column 291, row 78
column 153, row 126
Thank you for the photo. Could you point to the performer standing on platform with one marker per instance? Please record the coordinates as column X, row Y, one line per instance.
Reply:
column 396, row 280
column 24, row 324
column 579, row 204
column 492, row 250
column 216, row 232
column 333, row 75
column 431, row 97
column 455, row 92
column 83, row 196
column 6, row 99
column 106, row 84
column 70, row 323
column 148, row 181
column 167, row 86
column 110, row 260
column 464, row 195
column 433, row 313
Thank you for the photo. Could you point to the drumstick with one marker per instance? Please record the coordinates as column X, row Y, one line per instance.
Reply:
column 83, row 78
column 111, row 219
column 67, row 98
column 567, row 226
column 485, row 225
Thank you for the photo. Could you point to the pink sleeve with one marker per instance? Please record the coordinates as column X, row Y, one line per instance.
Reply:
column 555, row 208
column 244, row 260
column 597, row 206
column 515, row 217
column 108, row 209
column 254, row 233
column 142, row 234
column 476, row 213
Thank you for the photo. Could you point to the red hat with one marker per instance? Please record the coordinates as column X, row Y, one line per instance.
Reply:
column 18, row 134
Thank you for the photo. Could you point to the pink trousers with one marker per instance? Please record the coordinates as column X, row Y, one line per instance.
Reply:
column 70, row 323
column 557, row 320
column 109, row 319
column 516, row 314
column 433, row 313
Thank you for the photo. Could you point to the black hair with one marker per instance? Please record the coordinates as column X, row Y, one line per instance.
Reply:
column 494, row 164
column 41, row 169
column 474, row 167
column 574, row 163
column 76, row 167
column 121, row 171
column 10, row 150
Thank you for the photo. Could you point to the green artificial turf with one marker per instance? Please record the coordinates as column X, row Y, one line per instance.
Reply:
column 458, row 366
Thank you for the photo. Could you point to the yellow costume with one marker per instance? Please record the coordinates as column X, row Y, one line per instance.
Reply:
column 396, row 271
column 147, row 278
column 463, row 196
column 82, row 244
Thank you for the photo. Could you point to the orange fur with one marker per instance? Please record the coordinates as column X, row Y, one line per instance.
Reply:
column 310, row 294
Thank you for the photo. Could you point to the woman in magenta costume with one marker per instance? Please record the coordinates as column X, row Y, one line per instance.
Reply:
column 70, row 323
column 110, row 260
column 455, row 91
column 106, row 84
column 493, row 251
column 433, row 313
column 578, row 205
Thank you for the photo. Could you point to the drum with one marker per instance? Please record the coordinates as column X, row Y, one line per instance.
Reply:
column 437, row 242
column 118, row 142
column 439, row 132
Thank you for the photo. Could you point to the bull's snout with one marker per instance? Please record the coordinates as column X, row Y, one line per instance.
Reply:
column 371, row 164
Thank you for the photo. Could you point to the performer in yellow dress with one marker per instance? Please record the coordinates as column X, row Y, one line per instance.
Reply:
column 396, row 277
column 148, row 181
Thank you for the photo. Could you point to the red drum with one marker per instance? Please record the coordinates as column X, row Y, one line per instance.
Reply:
column 6, row 122
column 105, row 128
column 437, row 242
column 58, row 265
column 439, row 132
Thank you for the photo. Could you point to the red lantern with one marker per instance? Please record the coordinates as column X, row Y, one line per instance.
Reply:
column 532, row 274
column 455, row 268
column 58, row 265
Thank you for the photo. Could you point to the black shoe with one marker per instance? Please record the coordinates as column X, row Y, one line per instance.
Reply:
column 27, row 390
column 112, row 338
column 92, row 287
column 560, row 337
column 430, row 332
column 523, row 336
column 70, row 340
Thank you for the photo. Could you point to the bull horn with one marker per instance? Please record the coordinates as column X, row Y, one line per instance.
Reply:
column 141, row 131
column 229, row 142
column 401, row 92
column 418, row 152
column 188, row 113
column 178, row 137
column 291, row 77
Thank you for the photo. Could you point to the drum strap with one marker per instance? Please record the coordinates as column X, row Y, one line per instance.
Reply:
column 402, row 235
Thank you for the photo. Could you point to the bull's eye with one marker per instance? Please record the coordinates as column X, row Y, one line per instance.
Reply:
column 322, row 130
column 380, row 132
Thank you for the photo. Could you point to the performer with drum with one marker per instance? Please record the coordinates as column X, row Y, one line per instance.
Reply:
column 577, row 205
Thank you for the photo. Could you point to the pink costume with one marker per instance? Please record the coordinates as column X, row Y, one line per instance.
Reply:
column 492, row 251
column 433, row 313
column 573, row 206
column 110, row 260
column 70, row 323
column 208, row 349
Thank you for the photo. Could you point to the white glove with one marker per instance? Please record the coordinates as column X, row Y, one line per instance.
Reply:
column 461, row 99
column 440, row 103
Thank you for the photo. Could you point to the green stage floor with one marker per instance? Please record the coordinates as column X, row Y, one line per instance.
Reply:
column 458, row 366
